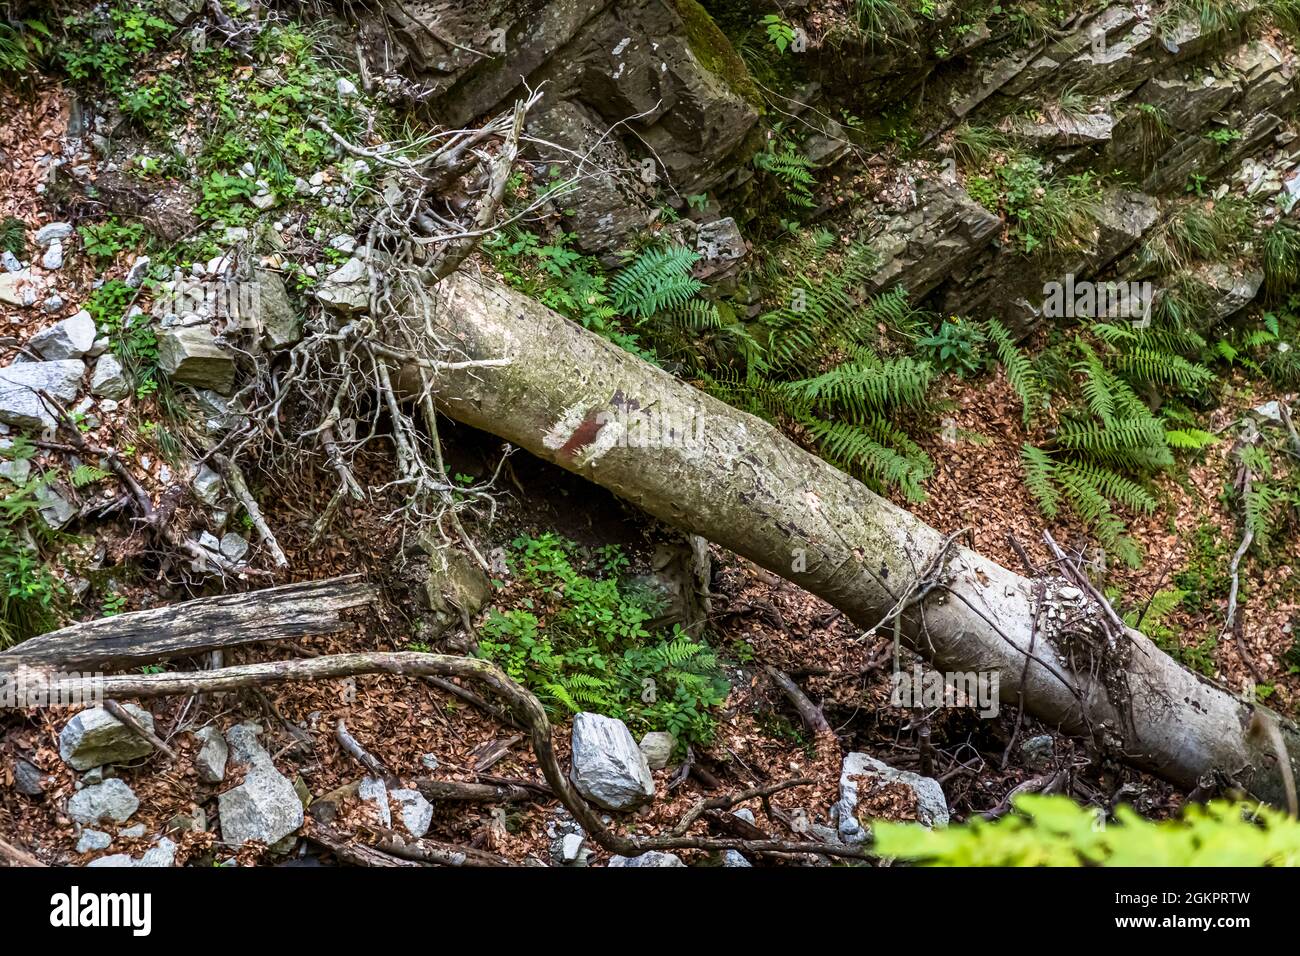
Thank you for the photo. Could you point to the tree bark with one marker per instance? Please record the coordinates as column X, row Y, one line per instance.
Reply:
column 192, row 627
column 573, row 398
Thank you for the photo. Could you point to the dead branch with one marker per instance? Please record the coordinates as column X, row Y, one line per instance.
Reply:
column 456, row 791
column 239, row 488
column 124, row 716
column 415, row 664
column 809, row 713
column 18, row 857
column 193, row 627
column 363, row 756
column 432, row 852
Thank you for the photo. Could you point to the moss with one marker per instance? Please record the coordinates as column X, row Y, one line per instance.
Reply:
column 715, row 52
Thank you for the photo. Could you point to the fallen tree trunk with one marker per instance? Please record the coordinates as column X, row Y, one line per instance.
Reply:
column 573, row 398
column 193, row 627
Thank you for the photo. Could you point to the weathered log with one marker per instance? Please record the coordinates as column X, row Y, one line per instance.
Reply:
column 193, row 627
column 575, row 399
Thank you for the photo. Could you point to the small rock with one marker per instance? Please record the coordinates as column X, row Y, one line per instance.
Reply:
column 15, row 470
column 53, row 304
column 70, row 338
column 94, row 774
column 653, row 858
column 19, row 288
column 10, row 262
column 1069, row 594
column 55, row 510
column 208, row 486
column 932, row 806
column 108, row 380
column 571, row 847
column 111, row 800
column 163, row 853
column 608, row 767
column 429, row 761
column 233, row 547
column 53, row 232
column 190, row 355
column 137, row 273
column 92, row 840
column 375, row 791
column 264, row 808
column 53, row 258
column 95, row 737
column 132, row 833
column 657, row 747
column 417, row 812
column 1038, row 752
column 19, row 383
column 346, row 88
column 28, row 779
column 734, row 858
column 210, row 761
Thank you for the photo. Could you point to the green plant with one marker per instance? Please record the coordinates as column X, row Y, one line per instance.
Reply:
column 587, row 644
column 976, row 145
column 781, row 159
column 818, row 366
column 1055, row 831
column 779, row 33
column 955, row 346
column 1022, row 375
column 23, row 43
column 13, row 236
column 104, row 240
column 31, row 594
column 132, row 339
column 1054, row 214
column 1280, row 248
column 1222, row 137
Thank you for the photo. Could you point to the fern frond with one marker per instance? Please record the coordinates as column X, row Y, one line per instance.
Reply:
column 1039, row 469
column 657, row 279
column 1020, row 371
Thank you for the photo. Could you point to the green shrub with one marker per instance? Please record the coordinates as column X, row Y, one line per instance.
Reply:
column 1055, row 831
column 587, row 645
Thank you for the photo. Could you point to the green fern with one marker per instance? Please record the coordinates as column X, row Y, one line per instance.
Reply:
column 83, row 475
column 1020, row 371
column 656, row 280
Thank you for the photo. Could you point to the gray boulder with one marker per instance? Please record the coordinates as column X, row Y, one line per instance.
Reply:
column 931, row 805
column 19, row 403
column 276, row 316
column 111, row 800
column 653, row 858
column 95, row 737
column 416, row 812
column 72, row 338
column 264, row 808
column 657, row 747
column 375, row 792
column 92, row 840
column 190, row 355
column 161, row 854
column 210, row 761
column 608, row 767
column 347, row 288
column 109, row 379
column 28, row 779
column 53, row 232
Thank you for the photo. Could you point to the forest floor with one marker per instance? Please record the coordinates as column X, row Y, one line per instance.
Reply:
column 756, row 618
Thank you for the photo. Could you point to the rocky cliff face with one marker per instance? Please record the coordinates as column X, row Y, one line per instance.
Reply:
column 649, row 102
